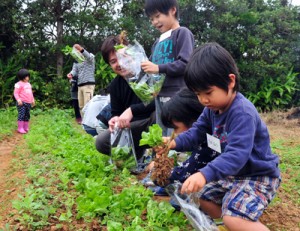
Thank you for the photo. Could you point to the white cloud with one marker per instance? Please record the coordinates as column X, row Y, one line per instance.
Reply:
column 295, row 2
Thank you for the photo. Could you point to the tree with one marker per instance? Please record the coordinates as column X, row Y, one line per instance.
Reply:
column 262, row 36
column 8, row 34
column 49, row 24
column 138, row 26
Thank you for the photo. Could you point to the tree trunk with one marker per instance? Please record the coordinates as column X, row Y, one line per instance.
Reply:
column 60, row 57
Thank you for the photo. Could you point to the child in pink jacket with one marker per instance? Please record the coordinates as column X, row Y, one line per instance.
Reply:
column 24, row 96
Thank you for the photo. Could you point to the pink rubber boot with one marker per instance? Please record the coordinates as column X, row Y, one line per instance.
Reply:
column 21, row 127
column 26, row 126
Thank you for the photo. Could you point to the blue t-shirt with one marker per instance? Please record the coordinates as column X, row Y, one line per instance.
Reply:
column 172, row 55
column 244, row 139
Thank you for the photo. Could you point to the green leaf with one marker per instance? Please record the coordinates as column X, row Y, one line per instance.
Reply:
column 153, row 137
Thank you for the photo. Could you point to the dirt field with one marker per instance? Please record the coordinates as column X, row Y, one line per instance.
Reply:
column 284, row 215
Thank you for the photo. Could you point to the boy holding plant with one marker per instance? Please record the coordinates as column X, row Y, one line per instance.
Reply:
column 170, row 52
column 127, row 110
column 239, row 183
column 179, row 113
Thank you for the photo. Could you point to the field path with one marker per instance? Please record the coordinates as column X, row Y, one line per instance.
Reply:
column 8, row 176
column 282, row 216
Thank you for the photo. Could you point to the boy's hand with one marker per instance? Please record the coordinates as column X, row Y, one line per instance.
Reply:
column 150, row 166
column 33, row 104
column 150, row 67
column 193, row 184
column 159, row 150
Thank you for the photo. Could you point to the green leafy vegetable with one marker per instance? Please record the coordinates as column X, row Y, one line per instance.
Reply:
column 67, row 50
column 147, row 92
column 118, row 47
column 153, row 137
column 123, row 157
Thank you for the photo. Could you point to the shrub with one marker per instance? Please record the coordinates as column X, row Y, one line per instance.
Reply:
column 274, row 93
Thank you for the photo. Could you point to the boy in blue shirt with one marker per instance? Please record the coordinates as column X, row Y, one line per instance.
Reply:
column 239, row 183
column 170, row 52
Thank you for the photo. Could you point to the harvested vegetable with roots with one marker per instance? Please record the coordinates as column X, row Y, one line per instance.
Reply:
column 123, row 36
column 163, row 165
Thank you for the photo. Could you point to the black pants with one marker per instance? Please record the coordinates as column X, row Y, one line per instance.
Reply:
column 75, row 105
column 24, row 112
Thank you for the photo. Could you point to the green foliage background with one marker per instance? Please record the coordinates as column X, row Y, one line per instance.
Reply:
column 262, row 36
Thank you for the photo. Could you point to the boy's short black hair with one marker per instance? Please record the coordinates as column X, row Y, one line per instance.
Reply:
column 108, row 46
column 22, row 74
column 210, row 65
column 162, row 6
column 183, row 107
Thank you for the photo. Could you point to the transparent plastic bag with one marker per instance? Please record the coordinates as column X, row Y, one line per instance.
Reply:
column 130, row 58
column 77, row 55
column 188, row 204
column 122, row 149
column 146, row 86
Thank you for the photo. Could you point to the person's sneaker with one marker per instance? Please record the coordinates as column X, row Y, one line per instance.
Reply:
column 174, row 203
column 158, row 191
column 147, row 182
column 139, row 169
column 79, row 120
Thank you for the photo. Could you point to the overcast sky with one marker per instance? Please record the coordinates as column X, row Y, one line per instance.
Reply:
column 296, row 2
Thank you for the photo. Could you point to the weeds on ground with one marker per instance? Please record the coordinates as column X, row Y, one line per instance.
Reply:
column 8, row 123
column 69, row 181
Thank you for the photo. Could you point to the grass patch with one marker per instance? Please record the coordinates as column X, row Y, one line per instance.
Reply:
column 8, row 123
column 70, row 183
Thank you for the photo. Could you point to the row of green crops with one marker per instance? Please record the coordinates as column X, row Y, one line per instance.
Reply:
column 8, row 123
column 69, row 181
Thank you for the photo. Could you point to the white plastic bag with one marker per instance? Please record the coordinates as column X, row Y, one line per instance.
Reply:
column 145, row 86
column 122, row 148
column 198, row 219
column 77, row 55
column 130, row 58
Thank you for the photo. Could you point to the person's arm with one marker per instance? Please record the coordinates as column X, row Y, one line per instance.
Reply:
column 231, row 160
column 116, row 100
column 190, row 139
column 240, row 141
column 194, row 136
column 33, row 100
column 74, row 71
column 135, row 110
column 141, row 108
column 33, row 103
column 184, row 48
column 89, row 57
column 17, row 91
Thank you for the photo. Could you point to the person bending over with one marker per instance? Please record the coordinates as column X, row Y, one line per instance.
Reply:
column 127, row 110
column 243, row 179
